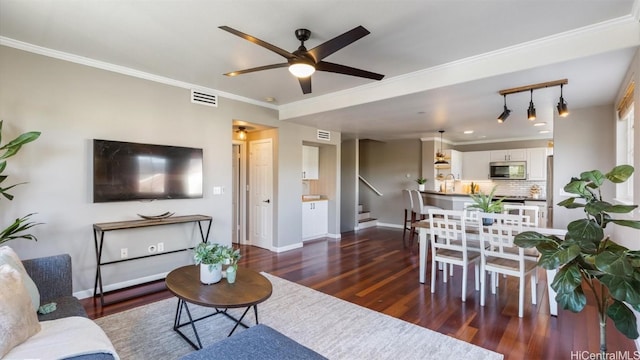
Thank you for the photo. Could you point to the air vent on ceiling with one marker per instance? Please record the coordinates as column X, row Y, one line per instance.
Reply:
column 324, row 135
column 199, row 97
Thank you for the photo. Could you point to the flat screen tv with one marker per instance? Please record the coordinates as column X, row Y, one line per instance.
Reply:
column 124, row 171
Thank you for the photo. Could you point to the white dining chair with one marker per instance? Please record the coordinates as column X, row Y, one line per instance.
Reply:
column 529, row 214
column 449, row 246
column 499, row 255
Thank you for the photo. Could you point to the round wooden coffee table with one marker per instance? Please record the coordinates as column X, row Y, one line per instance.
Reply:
column 249, row 290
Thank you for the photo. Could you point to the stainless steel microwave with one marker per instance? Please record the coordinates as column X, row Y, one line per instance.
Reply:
column 508, row 170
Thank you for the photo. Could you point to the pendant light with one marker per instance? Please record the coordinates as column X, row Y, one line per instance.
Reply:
column 440, row 159
column 505, row 113
column 242, row 132
column 563, row 111
column 531, row 112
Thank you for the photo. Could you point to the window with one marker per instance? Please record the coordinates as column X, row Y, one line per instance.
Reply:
column 624, row 143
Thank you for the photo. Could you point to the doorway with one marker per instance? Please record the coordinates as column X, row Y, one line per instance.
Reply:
column 239, row 186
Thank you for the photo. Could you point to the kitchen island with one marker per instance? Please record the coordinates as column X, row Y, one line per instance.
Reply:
column 456, row 201
column 446, row 201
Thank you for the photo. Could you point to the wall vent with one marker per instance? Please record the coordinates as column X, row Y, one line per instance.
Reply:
column 323, row 135
column 199, row 97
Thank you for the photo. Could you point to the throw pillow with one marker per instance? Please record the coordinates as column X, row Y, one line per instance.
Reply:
column 18, row 321
column 9, row 257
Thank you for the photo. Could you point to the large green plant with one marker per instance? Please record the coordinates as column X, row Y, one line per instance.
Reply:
column 19, row 226
column 588, row 257
column 486, row 203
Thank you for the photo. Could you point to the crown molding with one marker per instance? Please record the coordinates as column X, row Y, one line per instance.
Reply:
column 20, row 45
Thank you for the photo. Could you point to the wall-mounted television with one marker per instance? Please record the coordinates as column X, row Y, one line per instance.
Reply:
column 124, row 171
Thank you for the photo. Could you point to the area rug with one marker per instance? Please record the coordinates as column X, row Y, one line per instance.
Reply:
column 330, row 326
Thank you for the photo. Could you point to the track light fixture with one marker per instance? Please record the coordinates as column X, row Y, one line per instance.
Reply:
column 531, row 111
column 563, row 111
column 440, row 158
column 505, row 113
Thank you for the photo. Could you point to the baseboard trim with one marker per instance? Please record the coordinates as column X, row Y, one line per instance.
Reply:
column 395, row 226
column 83, row 294
column 286, row 248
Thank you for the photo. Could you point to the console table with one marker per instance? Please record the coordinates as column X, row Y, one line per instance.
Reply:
column 101, row 228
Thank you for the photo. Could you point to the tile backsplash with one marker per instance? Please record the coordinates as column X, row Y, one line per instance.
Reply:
column 506, row 187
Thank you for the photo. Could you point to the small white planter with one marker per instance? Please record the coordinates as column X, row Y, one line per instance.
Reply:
column 421, row 187
column 210, row 274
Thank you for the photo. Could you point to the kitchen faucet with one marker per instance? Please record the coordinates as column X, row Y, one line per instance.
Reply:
column 454, row 182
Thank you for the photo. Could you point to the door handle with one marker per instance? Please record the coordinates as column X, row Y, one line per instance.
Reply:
column 266, row 201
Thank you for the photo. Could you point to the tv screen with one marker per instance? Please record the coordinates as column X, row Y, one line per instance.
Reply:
column 125, row 171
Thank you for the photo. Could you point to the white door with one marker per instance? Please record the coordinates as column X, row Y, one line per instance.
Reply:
column 261, row 193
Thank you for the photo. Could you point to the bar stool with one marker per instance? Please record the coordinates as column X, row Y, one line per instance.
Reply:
column 409, row 215
column 420, row 211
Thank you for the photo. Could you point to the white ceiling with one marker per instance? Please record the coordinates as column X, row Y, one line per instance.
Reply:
column 444, row 61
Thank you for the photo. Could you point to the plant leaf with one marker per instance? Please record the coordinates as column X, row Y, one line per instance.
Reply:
column 529, row 239
column 567, row 278
column 620, row 173
column 578, row 187
column 628, row 223
column 574, row 300
column 554, row 258
column 614, row 263
column 593, row 176
column 585, row 230
column 624, row 319
column 623, row 288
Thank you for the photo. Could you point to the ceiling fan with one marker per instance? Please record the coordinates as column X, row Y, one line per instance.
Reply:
column 302, row 62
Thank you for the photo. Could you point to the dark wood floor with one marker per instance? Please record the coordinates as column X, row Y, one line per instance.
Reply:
column 372, row 269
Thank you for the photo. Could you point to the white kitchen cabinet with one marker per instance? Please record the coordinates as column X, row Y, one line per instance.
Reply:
column 537, row 164
column 310, row 162
column 542, row 212
column 315, row 219
column 475, row 165
column 509, row 155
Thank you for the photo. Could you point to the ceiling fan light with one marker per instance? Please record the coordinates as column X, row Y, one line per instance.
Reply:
column 301, row 70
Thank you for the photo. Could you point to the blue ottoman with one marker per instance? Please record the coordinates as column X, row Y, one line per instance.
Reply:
column 259, row 342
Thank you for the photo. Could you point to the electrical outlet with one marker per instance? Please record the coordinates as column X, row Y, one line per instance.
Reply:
column 124, row 253
column 152, row 248
column 160, row 247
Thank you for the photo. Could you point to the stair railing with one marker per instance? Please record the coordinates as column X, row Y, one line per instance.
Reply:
column 369, row 185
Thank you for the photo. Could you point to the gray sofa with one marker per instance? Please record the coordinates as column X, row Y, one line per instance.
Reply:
column 259, row 342
column 52, row 276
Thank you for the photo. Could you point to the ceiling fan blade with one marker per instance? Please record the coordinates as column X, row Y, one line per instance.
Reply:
column 347, row 70
column 259, row 68
column 329, row 47
column 257, row 41
column 305, row 84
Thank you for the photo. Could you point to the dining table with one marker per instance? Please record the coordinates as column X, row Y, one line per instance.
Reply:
column 423, row 235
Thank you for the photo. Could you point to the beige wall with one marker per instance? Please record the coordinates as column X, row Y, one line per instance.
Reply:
column 390, row 167
column 583, row 141
column 348, row 184
column 72, row 104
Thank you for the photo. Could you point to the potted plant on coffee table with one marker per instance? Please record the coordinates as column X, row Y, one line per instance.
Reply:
column 210, row 257
column 486, row 203
column 588, row 257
